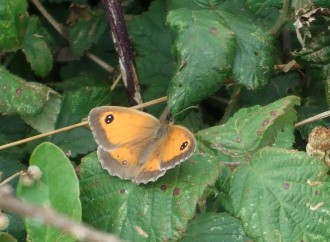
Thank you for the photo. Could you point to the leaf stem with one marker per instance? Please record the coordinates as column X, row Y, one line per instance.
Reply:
column 124, row 50
column 47, row 215
column 283, row 18
column 81, row 124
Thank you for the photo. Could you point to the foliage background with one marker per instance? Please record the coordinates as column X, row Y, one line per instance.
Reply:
column 249, row 179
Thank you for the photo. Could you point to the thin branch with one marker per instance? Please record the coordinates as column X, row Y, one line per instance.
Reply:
column 115, row 82
column 39, row 136
column 124, row 50
column 291, row 65
column 100, row 62
column 313, row 119
column 12, row 177
column 220, row 99
column 81, row 124
column 49, row 216
column 283, row 18
column 60, row 29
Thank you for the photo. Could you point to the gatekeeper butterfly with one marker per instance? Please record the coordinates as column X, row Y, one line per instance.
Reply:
column 134, row 145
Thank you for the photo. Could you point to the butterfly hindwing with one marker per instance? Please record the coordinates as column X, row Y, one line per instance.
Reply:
column 178, row 146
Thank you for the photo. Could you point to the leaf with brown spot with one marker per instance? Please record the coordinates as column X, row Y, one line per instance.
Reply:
column 275, row 201
column 161, row 210
column 251, row 128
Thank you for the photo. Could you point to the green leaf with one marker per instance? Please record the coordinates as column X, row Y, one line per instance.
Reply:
column 254, row 62
column 282, row 195
column 12, row 128
column 58, row 188
column 205, row 48
column 9, row 167
column 13, row 23
column 152, row 43
column 316, row 51
column 220, row 227
column 76, row 106
column 285, row 137
column 321, row 3
column 4, row 237
column 157, row 211
column 258, row 5
column 192, row 5
column 36, row 50
column 86, row 31
column 250, row 128
column 20, row 97
column 280, row 86
column 45, row 121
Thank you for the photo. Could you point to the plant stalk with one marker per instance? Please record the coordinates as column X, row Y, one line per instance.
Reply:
column 124, row 50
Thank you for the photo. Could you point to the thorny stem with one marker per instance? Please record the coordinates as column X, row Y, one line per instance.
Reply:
column 124, row 50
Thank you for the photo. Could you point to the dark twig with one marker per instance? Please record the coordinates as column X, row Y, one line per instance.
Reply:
column 124, row 50
column 49, row 216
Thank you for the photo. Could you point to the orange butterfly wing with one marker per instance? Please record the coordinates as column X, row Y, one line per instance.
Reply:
column 134, row 145
column 114, row 126
column 177, row 144
column 123, row 163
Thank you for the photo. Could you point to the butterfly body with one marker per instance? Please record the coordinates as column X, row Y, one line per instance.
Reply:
column 135, row 145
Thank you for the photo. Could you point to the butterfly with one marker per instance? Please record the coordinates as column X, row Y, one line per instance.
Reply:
column 134, row 145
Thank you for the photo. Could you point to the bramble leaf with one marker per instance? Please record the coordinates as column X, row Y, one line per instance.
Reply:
column 36, row 50
column 214, row 227
column 250, row 129
column 34, row 102
column 282, row 195
column 13, row 23
column 124, row 208
column 205, row 49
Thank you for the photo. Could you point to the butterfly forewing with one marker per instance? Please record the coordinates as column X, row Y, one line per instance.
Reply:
column 114, row 126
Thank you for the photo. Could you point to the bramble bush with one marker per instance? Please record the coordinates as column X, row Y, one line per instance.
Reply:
column 254, row 68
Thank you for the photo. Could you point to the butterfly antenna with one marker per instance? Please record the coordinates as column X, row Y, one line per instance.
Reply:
column 183, row 111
